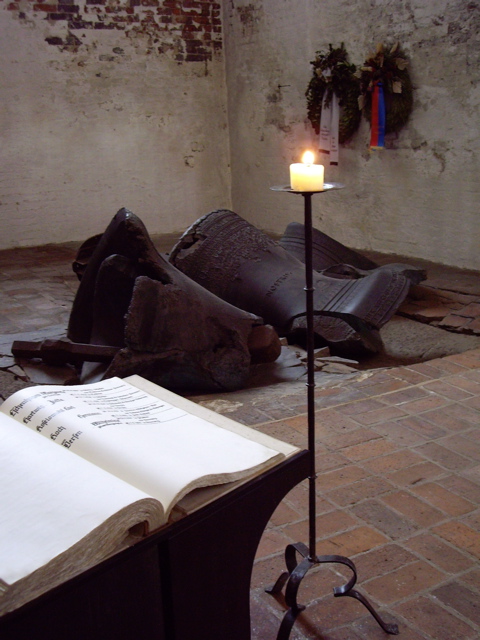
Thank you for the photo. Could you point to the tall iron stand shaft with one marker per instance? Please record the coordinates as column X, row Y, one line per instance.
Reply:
column 309, row 289
column 296, row 570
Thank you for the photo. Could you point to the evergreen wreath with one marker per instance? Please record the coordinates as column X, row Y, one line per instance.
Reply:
column 332, row 73
column 388, row 66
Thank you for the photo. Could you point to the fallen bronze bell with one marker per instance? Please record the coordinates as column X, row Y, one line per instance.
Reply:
column 336, row 260
column 242, row 265
column 168, row 328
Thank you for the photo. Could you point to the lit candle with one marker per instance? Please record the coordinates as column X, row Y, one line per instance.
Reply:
column 306, row 176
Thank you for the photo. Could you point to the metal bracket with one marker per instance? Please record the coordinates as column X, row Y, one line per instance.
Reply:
column 294, row 575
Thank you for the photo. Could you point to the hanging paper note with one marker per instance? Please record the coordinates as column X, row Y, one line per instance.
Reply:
column 377, row 137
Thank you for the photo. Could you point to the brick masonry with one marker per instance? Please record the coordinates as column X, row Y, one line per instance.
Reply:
column 190, row 29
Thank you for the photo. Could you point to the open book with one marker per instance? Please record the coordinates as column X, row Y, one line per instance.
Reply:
column 85, row 470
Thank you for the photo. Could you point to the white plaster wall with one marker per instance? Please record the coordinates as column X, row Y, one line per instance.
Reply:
column 83, row 133
column 419, row 197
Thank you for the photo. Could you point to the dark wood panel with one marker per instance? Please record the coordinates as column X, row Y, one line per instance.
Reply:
column 120, row 599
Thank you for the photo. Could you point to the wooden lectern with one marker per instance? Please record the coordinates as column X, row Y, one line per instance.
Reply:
column 191, row 580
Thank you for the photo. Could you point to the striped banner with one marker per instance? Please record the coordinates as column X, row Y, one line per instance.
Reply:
column 377, row 137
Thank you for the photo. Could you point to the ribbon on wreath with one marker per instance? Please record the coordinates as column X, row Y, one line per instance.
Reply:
column 328, row 141
column 377, row 136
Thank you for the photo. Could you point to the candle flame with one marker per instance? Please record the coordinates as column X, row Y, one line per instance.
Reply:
column 308, row 157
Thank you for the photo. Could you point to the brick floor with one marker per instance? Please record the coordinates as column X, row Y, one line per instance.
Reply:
column 398, row 464
column 415, row 533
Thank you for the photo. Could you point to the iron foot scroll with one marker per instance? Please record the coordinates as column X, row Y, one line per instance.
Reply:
column 294, row 575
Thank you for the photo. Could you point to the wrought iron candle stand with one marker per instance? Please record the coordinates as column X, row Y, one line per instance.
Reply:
column 296, row 571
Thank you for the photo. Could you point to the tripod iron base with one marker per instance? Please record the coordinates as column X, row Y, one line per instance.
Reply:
column 294, row 575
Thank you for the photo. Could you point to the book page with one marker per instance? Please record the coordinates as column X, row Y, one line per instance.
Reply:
column 211, row 416
column 50, row 500
column 159, row 448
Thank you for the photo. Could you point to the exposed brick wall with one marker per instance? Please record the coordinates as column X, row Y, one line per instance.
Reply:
column 190, row 30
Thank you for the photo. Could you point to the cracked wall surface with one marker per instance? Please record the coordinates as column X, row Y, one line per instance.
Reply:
column 418, row 197
column 110, row 103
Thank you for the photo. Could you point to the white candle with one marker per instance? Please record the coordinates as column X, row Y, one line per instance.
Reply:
column 306, row 176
